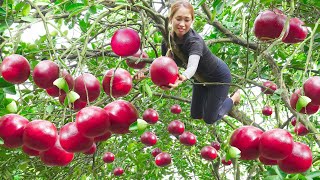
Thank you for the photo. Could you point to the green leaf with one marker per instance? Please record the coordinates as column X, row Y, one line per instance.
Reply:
column 133, row 126
column 233, row 153
column 76, row 12
column 74, row 6
column 148, row 90
column 10, row 90
column 12, row 107
column 1, row 141
column 273, row 177
column 28, row 19
column 93, row 9
column 83, row 26
column 4, row 83
column 142, row 124
column 61, row 83
column 72, row 96
column 200, row 3
column 2, row 11
column 50, row 109
column 19, row 6
column 302, row 102
column 26, row 9
column 2, row 95
column 312, row 175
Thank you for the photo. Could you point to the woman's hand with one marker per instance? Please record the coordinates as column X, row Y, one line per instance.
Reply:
column 181, row 79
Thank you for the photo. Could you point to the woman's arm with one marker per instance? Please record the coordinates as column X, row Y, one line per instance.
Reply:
column 192, row 66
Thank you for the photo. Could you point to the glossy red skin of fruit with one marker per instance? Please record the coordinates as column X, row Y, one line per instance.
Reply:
column 15, row 69
column 92, row 150
column 267, row 111
column 118, row 171
column 54, row 91
column 121, row 115
column 309, row 109
column 188, row 139
column 108, row 157
column 40, row 135
column 226, row 163
column 89, row 82
column 148, row 138
column 301, row 130
column 269, row 85
column 103, row 137
column 45, row 73
column 29, row 151
column 209, row 153
column 72, row 140
column 175, row 109
column 125, row 42
column 151, row 116
column 247, row 139
column 294, row 121
column 311, row 89
column 155, row 152
column 56, row 156
column 121, row 84
column 176, row 127
column 299, row 161
column 77, row 105
column 163, row 159
column 297, row 32
column 269, row 24
column 138, row 65
column 216, row 145
column 163, row 71
column 11, row 129
column 276, row 144
column 92, row 121
column 267, row 161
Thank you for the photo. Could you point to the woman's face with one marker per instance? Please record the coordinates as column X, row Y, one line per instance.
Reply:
column 181, row 21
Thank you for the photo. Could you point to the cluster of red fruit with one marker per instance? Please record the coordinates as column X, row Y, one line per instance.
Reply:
column 269, row 24
column 272, row 147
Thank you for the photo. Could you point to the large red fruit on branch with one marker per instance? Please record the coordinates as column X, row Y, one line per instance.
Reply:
column 247, row 139
column 29, row 151
column 121, row 115
column 216, row 145
column 40, row 135
column 56, row 156
column 297, row 32
column 148, row 138
column 108, row 157
column 269, row 24
column 138, row 65
column 271, row 87
column 309, row 109
column 175, row 109
column 188, row 139
column 163, row 71
column 163, row 159
column 103, row 137
column 125, row 42
column 121, row 82
column 156, row 151
column 54, row 91
column 299, row 161
column 301, row 130
column 176, row 127
column 267, row 161
column 15, row 69
column 45, row 73
column 151, row 116
column 11, row 129
column 276, row 144
column 209, row 153
column 267, row 111
column 77, row 105
column 118, row 171
column 72, row 141
column 311, row 89
column 87, row 84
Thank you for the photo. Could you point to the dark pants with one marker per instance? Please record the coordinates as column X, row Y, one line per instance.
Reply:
column 211, row 102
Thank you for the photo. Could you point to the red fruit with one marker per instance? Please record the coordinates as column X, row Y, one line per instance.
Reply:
column 56, row 156
column 155, row 152
column 148, row 138
column 175, row 109
column 15, row 69
column 45, row 73
column 269, row 24
column 72, row 141
column 92, row 150
column 309, row 109
column 300, row 129
column 103, row 137
column 188, row 139
column 297, row 32
column 267, row 161
column 151, row 116
column 209, row 153
column 29, row 151
column 299, row 161
column 163, row 159
column 176, row 127
column 294, row 121
column 40, row 135
column 163, row 71
column 139, row 65
column 271, row 87
column 276, row 144
column 121, row 84
column 118, row 171
column 54, row 91
column 311, row 89
column 108, row 157
column 11, row 130
column 77, row 105
column 87, row 84
column 267, row 111
column 92, row 121
column 247, row 139
column 125, row 42
column 226, row 163
column 216, row 145
column 121, row 115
